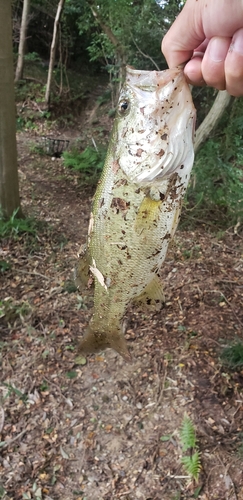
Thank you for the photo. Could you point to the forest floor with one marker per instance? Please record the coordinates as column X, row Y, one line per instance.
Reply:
column 98, row 428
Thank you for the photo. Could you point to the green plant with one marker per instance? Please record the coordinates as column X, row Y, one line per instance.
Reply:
column 4, row 266
column 2, row 491
column 32, row 57
column 14, row 226
column 89, row 163
column 14, row 390
column 81, row 302
column 232, row 355
column 37, row 149
column 191, row 461
column 215, row 190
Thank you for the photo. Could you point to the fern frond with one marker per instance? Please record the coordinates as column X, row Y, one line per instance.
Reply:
column 192, row 465
column 187, row 434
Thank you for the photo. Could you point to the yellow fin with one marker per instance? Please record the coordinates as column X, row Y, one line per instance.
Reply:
column 95, row 341
column 148, row 214
column 153, row 295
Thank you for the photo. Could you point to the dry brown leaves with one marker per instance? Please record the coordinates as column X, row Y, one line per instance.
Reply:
column 105, row 429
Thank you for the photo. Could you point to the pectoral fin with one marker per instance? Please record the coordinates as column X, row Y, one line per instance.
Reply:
column 82, row 278
column 95, row 341
column 148, row 214
column 153, row 295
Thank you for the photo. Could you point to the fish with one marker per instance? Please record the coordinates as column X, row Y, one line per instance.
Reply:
column 137, row 204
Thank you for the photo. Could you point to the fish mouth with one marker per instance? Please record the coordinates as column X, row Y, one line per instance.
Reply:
column 152, row 80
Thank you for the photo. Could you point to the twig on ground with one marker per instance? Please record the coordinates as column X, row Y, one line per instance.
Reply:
column 34, row 273
column 10, row 441
column 1, row 418
column 68, row 401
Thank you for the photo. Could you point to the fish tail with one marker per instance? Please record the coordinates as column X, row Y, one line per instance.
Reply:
column 95, row 341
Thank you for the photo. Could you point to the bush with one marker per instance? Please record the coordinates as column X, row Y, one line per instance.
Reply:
column 89, row 163
column 215, row 189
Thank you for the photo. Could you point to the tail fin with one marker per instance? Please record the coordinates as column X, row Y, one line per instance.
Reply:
column 95, row 341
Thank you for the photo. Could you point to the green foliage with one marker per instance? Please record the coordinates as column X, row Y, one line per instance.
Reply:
column 232, row 356
column 25, row 123
column 89, row 163
column 192, row 464
column 14, row 390
column 32, row 57
column 4, row 266
column 187, row 434
column 2, row 491
column 215, row 192
column 137, row 26
column 14, row 226
column 188, row 440
column 26, row 90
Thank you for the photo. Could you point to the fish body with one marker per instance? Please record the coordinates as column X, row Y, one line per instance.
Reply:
column 138, row 201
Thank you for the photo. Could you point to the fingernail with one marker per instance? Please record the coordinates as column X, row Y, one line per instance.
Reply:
column 237, row 42
column 217, row 49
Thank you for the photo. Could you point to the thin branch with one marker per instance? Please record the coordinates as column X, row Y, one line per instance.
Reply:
column 145, row 55
column 1, row 419
column 5, row 444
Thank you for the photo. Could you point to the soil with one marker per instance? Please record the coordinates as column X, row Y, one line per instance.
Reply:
column 97, row 428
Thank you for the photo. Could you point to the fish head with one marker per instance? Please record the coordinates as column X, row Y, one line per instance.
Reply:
column 154, row 125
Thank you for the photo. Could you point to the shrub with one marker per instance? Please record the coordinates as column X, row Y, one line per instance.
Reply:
column 89, row 163
column 215, row 190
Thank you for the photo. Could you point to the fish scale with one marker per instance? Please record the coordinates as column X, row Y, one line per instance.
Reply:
column 138, row 201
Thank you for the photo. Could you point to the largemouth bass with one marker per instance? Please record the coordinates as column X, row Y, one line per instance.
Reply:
column 137, row 203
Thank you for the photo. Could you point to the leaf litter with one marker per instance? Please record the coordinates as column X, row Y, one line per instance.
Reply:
column 97, row 428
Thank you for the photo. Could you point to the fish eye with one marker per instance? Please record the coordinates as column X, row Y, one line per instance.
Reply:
column 123, row 106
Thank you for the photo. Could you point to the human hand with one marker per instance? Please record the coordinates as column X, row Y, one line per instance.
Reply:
column 209, row 35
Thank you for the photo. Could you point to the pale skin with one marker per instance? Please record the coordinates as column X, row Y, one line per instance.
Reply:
column 207, row 37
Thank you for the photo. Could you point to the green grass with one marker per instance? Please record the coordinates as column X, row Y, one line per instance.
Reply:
column 14, row 226
column 232, row 356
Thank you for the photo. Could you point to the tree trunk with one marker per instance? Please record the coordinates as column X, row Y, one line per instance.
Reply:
column 22, row 39
column 220, row 104
column 53, row 51
column 9, row 185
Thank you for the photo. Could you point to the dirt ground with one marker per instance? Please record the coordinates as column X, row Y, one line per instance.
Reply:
column 99, row 428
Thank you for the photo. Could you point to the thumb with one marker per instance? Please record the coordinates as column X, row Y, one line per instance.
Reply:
column 185, row 35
